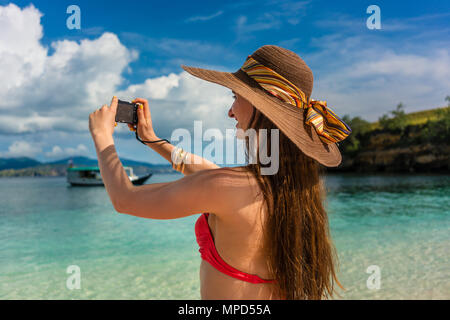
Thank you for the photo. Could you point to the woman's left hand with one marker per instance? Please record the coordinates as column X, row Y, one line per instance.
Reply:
column 102, row 121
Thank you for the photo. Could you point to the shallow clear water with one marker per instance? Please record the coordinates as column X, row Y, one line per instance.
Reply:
column 399, row 223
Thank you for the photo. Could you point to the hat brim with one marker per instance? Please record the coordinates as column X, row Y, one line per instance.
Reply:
column 288, row 118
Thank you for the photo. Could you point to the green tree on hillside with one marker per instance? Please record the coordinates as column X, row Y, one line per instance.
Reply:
column 398, row 121
column 443, row 115
column 359, row 126
column 438, row 131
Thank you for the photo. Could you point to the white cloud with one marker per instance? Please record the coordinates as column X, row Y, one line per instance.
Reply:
column 42, row 92
column 165, row 48
column 21, row 149
column 176, row 101
column 155, row 88
column 204, row 18
column 368, row 76
column 290, row 43
column 21, row 55
column 244, row 28
column 287, row 11
column 48, row 95
column 340, row 21
column 58, row 152
column 436, row 65
column 34, row 123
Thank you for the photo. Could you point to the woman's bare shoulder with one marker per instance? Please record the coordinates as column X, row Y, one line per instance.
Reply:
column 235, row 186
column 227, row 177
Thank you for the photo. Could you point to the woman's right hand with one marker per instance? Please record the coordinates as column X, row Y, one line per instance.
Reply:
column 144, row 126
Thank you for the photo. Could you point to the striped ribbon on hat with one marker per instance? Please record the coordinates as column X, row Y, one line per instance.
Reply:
column 327, row 124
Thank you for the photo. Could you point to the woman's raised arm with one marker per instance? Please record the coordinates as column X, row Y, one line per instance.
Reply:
column 193, row 163
column 204, row 191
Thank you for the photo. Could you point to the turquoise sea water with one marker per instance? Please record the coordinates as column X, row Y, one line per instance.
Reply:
column 399, row 223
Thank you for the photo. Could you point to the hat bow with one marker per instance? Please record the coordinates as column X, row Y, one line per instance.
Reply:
column 329, row 127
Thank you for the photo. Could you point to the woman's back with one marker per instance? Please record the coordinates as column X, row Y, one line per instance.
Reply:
column 238, row 239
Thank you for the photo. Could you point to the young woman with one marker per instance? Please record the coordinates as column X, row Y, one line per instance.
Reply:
column 261, row 236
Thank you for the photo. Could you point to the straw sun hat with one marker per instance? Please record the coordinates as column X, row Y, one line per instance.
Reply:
column 278, row 82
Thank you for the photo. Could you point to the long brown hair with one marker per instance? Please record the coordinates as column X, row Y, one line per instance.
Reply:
column 301, row 256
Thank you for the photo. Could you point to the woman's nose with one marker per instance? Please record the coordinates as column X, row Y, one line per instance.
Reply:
column 230, row 113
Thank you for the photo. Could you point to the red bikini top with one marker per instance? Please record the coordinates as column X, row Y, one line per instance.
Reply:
column 209, row 253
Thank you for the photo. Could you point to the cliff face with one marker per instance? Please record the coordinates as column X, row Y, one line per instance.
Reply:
column 424, row 158
column 415, row 142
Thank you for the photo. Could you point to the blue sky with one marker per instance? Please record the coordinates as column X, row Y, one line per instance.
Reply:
column 54, row 77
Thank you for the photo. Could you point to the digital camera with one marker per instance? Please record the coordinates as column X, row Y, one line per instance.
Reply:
column 126, row 112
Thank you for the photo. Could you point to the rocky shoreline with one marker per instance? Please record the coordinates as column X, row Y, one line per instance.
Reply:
column 422, row 158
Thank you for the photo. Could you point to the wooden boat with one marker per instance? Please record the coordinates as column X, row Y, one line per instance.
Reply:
column 90, row 176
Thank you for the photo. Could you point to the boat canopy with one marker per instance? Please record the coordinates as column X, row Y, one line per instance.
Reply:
column 84, row 169
column 90, row 168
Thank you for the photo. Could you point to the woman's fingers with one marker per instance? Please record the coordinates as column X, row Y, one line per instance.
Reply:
column 145, row 128
column 141, row 100
column 141, row 116
column 113, row 105
column 146, row 107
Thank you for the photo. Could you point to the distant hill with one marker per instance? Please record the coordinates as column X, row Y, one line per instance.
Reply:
column 416, row 118
column 80, row 161
column 17, row 163
column 23, row 166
